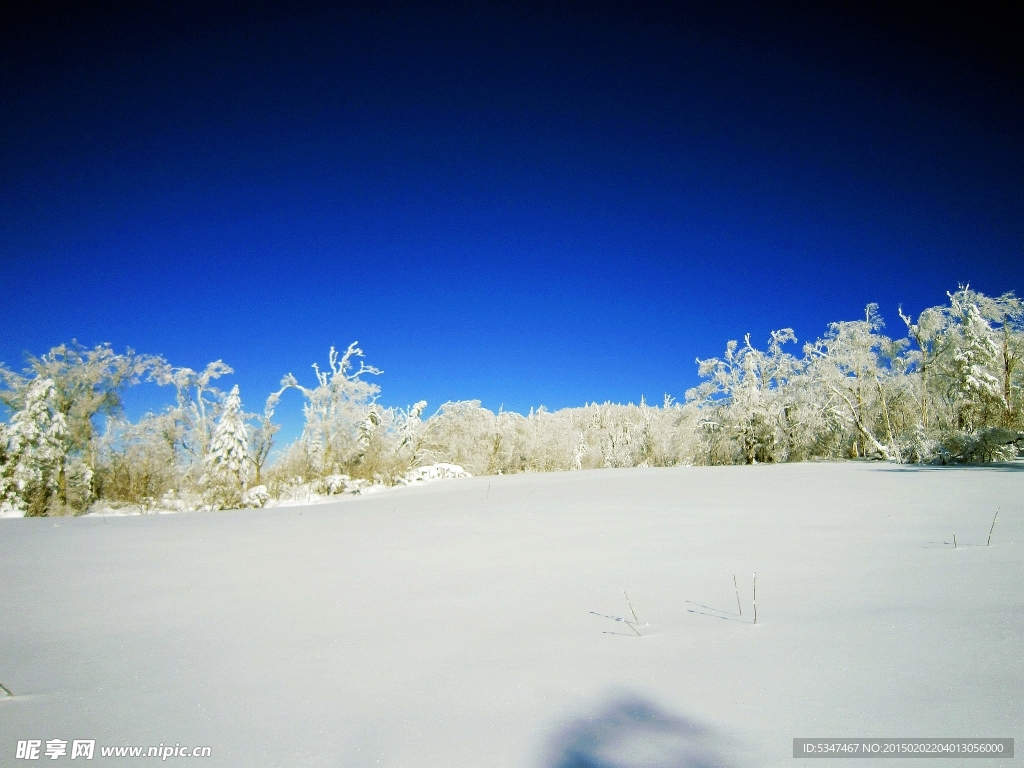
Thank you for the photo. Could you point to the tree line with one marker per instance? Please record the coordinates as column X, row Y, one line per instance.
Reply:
column 951, row 390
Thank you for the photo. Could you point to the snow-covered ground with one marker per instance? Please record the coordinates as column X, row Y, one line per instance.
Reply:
column 456, row 624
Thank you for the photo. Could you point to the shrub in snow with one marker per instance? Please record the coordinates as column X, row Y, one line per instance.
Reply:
column 357, row 486
column 255, row 497
column 988, row 444
column 332, row 484
column 435, row 472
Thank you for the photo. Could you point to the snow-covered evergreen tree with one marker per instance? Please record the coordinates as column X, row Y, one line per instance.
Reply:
column 228, row 454
column 35, row 453
column 974, row 362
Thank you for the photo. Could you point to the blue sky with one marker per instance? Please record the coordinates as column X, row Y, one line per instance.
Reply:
column 522, row 205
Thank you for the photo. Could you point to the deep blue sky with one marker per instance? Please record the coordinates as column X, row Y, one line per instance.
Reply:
column 521, row 205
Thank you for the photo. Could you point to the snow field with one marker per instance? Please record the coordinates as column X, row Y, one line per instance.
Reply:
column 451, row 624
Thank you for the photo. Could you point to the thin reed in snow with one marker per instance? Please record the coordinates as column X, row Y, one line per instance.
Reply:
column 630, row 606
column 755, row 597
column 992, row 528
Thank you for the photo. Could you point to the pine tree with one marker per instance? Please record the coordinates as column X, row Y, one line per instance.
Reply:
column 975, row 363
column 228, row 454
column 35, row 453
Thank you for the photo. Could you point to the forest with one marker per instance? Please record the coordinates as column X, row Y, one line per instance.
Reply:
column 949, row 391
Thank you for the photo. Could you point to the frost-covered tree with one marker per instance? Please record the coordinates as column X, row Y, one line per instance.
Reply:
column 389, row 442
column 140, row 463
column 262, row 435
column 87, row 386
column 1007, row 315
column 228, row 455
column 3, row 444
column 35, row 452
column 596, row 435
column 952, row 391
column 853, row 367
column 970, row 364
column 974, row 364
column 198, row 404
column 983, row 337
column 410, row 429
column 460, row 433
column 337, row 415
column 748, row 407
column 348, row 437
column 163, row 453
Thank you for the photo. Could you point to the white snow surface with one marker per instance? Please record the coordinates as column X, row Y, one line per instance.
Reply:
column 454, row 624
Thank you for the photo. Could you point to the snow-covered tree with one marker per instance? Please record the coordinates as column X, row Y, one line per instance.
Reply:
column 852, row 367
column 262, row 436
column 228, row 455
column 35, row 454
column 410, row 427
column 336, row 412
column 140, row 463
column 460, row 433
column 748, row 406
column 198, row 404
column 974, row 363
column 970, row 356
column 87, row 386
column 985, row 342
column 595, row 435
column 926, row 360
column 163, row 453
